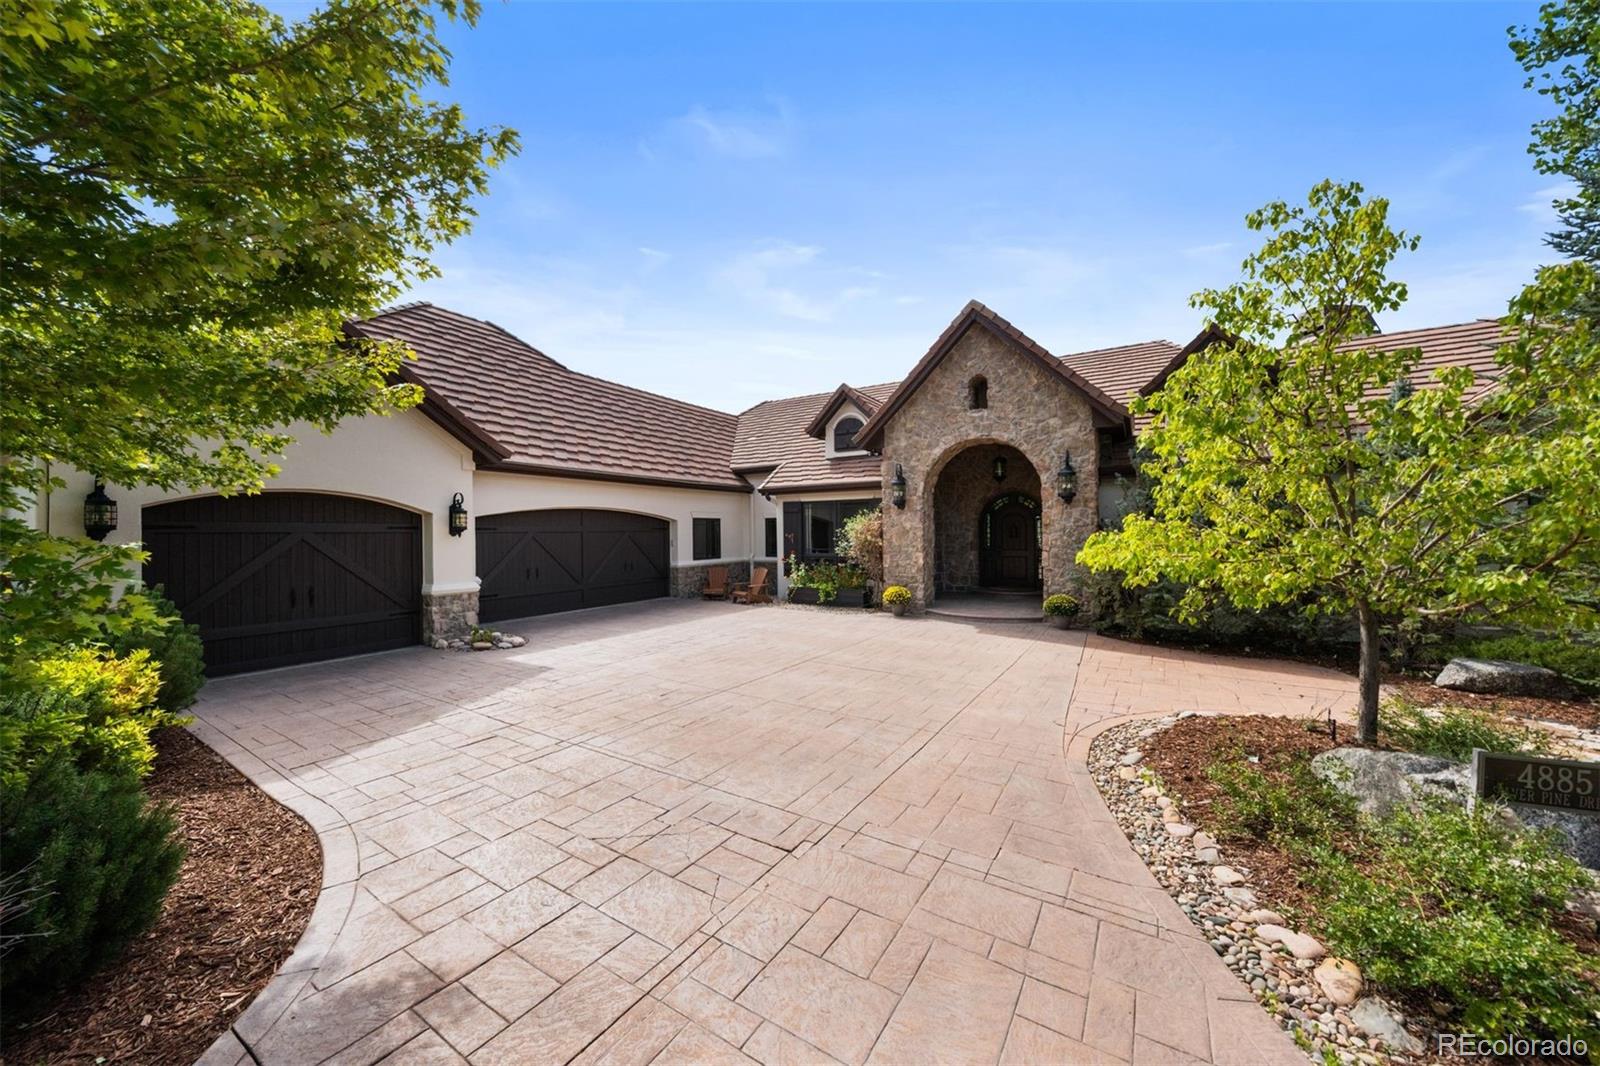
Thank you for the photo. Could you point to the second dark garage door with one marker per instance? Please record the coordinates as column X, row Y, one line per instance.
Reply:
column 540, row 562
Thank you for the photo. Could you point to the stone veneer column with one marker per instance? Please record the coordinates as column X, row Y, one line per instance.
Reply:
column 448, row 615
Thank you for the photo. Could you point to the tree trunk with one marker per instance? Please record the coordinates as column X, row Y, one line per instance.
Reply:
column 1368, row 683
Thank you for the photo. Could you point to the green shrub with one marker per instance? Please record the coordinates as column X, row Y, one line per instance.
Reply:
column 92, row 708
column 827, row 578
column 860, row 540
column 1147, row 613
column 1453, row 731
column 1290, row 810
column 1060, row 605
column 1575, row 661
column 174, row 646
column 1459, row 906
column 90, row 862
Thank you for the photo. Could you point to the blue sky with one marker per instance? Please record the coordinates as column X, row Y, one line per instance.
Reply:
column 730, row 203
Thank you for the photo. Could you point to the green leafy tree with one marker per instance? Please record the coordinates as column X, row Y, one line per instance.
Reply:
column 1288, row 467
column 1561, row 55
column 194, row 195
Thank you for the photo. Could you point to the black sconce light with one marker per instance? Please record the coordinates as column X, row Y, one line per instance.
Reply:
column 458, row 516
column 897, row 487
column 99, row 512
column 999, row 468
column 1066, row 479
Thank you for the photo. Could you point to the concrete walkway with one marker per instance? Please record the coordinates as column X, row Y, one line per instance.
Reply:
column 697, row 832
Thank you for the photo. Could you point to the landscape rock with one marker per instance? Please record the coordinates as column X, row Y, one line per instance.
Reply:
column 1261, row 916
column 440, row 644
column 482, row 645
column 1374, row 1017
column 1578, row 834
column 1340, row 981
column 1132, row 758
column 1380, row 781
column 1178, row 829
column 1498, row 677
column 1300, row 945
column 1226, row 875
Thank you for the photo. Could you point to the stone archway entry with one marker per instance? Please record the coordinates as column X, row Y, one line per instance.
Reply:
column 1008, row 543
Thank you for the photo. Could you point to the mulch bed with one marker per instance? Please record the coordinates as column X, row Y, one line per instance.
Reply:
column 1180, row 755
column 1585, row 714
column 243, row 897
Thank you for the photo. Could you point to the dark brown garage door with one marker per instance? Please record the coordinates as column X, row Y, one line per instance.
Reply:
column 288, row 577
column 539, row 562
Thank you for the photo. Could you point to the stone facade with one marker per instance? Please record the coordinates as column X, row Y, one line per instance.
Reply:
column 688, row 581
column 448, row 615
column 1030, row 409
column 965, row 487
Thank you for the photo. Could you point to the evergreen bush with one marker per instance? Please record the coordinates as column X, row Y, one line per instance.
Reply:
column 85, row 862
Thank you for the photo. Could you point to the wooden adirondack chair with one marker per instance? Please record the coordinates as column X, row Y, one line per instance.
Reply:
column 716, row 587
column 755, row 591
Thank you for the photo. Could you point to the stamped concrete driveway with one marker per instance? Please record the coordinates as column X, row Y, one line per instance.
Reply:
column 685, row 832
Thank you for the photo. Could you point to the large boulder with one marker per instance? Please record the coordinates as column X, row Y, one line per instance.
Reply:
column 1497, row 677
column 1381, row 780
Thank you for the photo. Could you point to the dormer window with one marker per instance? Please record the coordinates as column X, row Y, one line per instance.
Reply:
column 978, row 394
column 844, row 434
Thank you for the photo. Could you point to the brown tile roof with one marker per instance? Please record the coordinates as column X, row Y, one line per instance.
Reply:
column 1468, row 344
column 772, row 436
column 521, row 410
column 537, row 416
column 976, row 314
column 1122, row 371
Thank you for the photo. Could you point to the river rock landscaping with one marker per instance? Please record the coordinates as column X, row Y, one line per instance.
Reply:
column 1256, row 901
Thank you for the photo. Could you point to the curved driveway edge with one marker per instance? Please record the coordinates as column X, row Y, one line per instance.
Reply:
column 685, row 831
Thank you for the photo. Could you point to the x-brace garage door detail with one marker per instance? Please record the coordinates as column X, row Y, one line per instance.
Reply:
column 288, row 577
column 540, row 562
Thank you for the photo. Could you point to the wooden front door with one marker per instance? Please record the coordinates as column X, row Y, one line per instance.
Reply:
column 1008, row 540
column 288, row 577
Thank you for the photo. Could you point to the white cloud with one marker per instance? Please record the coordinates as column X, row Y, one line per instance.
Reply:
column 770, row 279
column 1542, row 205
column 1206, row 251
column 731, row 134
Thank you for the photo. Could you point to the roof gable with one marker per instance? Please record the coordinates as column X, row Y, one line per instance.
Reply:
column 818, row 427
column 976, row 315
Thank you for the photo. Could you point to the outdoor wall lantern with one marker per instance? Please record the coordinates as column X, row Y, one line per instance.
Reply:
column 99, row 512
column 1066, row 479
column 458, row 516
column 999, row 468
column 897, row 487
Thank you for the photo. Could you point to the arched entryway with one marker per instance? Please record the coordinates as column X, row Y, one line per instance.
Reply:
column 986, row 520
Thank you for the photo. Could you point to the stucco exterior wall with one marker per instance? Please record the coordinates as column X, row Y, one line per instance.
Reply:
column 498, row 493
column 403, row 460
column 1031, row 409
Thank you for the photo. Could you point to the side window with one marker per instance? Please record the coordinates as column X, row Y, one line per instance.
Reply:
column 772, row 539
column 708, row 538
column 978, row 393
column 844, row 434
